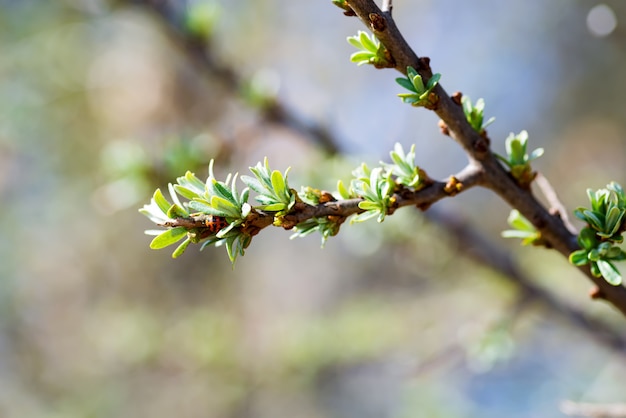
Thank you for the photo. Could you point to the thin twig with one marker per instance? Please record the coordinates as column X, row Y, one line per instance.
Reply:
column 555, row 203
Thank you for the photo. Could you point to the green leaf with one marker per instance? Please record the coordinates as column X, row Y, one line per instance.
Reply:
column 518, row 221
column 418, row 83
column 411, row 72
column 610, row 273
column 362, row 217
column 535, row 154
column 225, row 206
column 176, row 212
column 354, row 41
column 343, row 191
column 169, row 237
column 595, row 219
column 181, row 248
column 614, row 220
column 274, row 207
column 278, row 184
column 361, row 57
column 367, row 42
column 221, row 191
column 368, row 205
column 253, row 183
column 190, row 179
column 587, row 238
column 433, row 81
column 185, row 192
column 161, row 201
column 406, row 83
column 204, row 207
column 579, row 258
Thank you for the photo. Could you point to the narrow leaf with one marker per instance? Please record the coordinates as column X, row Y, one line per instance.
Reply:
column 610, row 273
column 406, row 83
column 168, row 237
column 181, row 248
column 161, row 201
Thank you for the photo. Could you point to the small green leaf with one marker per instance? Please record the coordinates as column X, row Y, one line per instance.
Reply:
column 343, row 191
column 610, row 273
column 579, row 258
column 368, row 42
column 181, row 248
column 362, row 217
column 433, row 81
column 406, row 83
column 587, row 238
column 274, row 207
column 278, row 183
column 204, row 207
column 354, row 41
column 161, row 201
column 225, row 206
column 361, row 57
column 368, row 205
column 221, row 191
column 418, row 83
column 168, row 237
column 176, row 212
column 595, row 219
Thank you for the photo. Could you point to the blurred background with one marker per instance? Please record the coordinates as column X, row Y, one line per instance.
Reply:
column 101, row 102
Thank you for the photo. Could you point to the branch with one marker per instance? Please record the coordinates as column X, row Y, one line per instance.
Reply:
column 553, row 231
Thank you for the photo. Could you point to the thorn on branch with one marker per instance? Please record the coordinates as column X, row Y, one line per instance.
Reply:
column 595, row 293
column 443, row 128
column 456, row 97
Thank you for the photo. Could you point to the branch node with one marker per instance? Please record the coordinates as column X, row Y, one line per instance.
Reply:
column 456, row 97
column 377, row 22
column 443, row 127
column 481, row 145
column 453, row 186
column 595, row 293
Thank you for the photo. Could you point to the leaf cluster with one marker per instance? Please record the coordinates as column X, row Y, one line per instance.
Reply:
column 376, row 186
column 370, row 51
column 523, row 229
column 518, row 160
column 605, row 225
column 420, row 94
column 475, row 114
column 212, row 198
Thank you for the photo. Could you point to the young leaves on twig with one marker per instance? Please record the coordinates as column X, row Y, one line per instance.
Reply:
column 475, row 114
column 213, row 214
column 420, row 94
column 518, row 160
column 522, row 229
column 605, row 225
column 404, row 168
column 273, row 190
column 370, row 51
